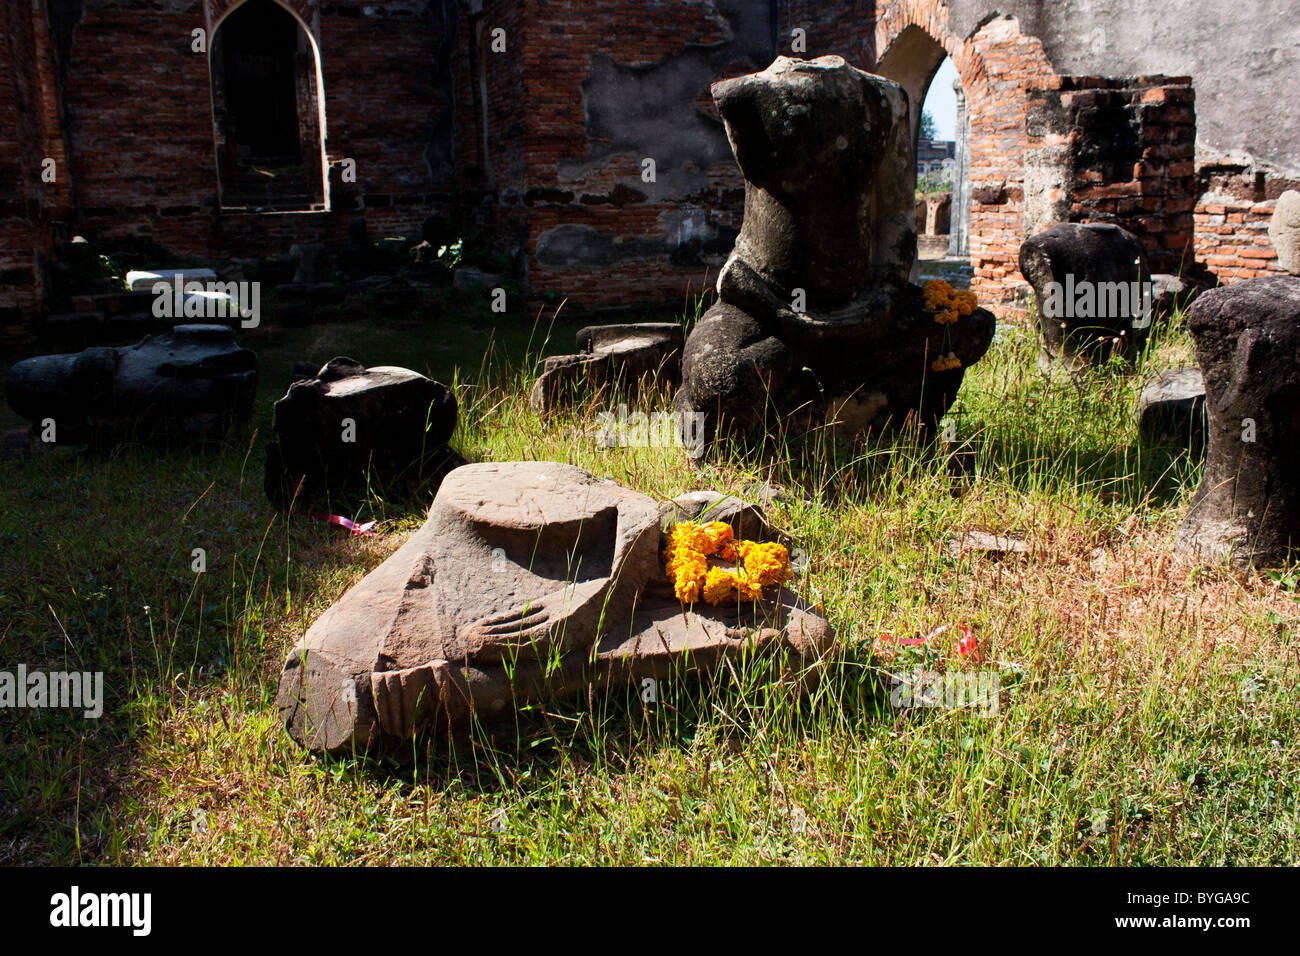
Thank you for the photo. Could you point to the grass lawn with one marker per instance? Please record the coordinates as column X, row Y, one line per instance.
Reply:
column 1147, row 714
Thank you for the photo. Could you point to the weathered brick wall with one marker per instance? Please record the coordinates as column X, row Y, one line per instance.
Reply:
column 32, row 209
column 998, row 66
column 1232, row 216
column 1117, row 150
column 610, row 85
column 490, row 131
column 845, row 29
column 542, row 142
column 142, row 130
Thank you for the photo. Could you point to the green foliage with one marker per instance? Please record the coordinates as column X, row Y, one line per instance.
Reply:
column 933, row 183
column 928, row 128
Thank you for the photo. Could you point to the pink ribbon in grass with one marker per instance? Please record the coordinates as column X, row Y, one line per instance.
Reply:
column 366, row 529
column 967, row 645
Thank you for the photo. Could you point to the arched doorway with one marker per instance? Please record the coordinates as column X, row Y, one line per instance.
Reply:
column 999, row 68
column 268, row 110
column 921, row 65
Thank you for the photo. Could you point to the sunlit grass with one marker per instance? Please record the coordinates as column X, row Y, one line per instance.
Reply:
column 1147, row 712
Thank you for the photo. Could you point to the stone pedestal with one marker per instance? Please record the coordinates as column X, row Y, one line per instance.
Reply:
column 1247, row 507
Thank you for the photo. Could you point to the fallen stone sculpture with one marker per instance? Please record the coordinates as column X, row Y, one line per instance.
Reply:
column 188, row 385
column 815, row 311
column 1284, row 231
column 348, row 429
column 1171, row 408
column 1093, row 292
column 634, row 354
column 529, row 579
column 1247, row 507
column 1171, row 294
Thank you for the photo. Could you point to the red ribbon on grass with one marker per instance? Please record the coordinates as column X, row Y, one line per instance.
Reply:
column 342, row 522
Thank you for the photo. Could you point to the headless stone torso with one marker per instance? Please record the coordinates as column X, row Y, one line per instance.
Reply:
column 818, row 143
column 815, row 311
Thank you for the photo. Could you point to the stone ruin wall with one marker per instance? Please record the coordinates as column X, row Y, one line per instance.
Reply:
column 544, row 145
column 30, row 130
column 141, row 158
column 1240, row 58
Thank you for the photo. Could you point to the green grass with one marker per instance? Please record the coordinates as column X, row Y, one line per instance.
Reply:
column 1123, row 732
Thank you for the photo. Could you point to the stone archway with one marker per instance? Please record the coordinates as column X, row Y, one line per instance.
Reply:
column 268, row 104
column 998, row 66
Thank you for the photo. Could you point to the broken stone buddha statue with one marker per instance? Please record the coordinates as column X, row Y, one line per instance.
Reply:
column 816, row 311
column 529, row 579
column 187, row 385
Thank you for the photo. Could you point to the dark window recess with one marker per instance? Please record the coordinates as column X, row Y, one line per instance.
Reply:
column 265, row 108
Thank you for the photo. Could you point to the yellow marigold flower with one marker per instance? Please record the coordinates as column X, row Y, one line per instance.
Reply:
column 767, row 564
column 747, row 587
column 719, row 586
column 687, row 590
column 706, row 539
column 716, row 534
column 936, row 294
column 686, row 559
column 947, row 303
column 965, row 302
column 687, row 563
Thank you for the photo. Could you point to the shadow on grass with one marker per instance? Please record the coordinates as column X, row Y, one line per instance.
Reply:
column 99, row 572
column 744, row 705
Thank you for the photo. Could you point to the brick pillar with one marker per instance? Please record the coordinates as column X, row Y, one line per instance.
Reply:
column 1117, row 150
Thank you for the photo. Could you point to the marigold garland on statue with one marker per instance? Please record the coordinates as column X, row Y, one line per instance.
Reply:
column 757, row 564
column 948, row 305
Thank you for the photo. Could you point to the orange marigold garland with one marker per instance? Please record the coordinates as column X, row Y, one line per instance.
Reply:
column 757, row 564
column 948, row 305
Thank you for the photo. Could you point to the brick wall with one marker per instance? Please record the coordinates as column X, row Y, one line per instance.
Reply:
column 543, row 143
column 998, row 66
column 142, row 131
column 1232, row 216
column 32, row 209
column 845, row 29
column 608, row 86
column 1118, row 150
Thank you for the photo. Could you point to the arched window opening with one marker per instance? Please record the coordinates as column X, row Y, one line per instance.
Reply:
column 940, row 148
column 942, row 157
column 266, row 110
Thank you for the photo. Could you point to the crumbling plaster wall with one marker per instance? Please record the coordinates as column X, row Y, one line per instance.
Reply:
column 1244, row 61
column 614, row 89
column 1240, row 57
